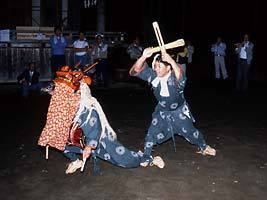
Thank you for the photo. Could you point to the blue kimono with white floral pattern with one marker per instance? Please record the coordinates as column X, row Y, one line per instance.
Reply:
column 107, row 148
column 171, row 115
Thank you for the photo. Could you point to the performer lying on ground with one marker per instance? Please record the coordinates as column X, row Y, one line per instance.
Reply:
column 171, row 115
column 73, row 110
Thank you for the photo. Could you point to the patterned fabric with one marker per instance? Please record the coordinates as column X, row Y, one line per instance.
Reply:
column 108, row 148
column 171, row 116
column 219, row 49
column 99, row 134
column 63, row 106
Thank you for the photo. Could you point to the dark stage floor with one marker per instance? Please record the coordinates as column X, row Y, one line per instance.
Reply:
column 236, row 125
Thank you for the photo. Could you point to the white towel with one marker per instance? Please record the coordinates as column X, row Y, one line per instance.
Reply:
column 164, row 91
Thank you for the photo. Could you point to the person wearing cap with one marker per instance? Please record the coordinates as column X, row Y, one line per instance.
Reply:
column 99, row 54
column 172, row 115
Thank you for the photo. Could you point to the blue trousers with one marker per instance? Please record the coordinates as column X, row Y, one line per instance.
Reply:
column 165, row 125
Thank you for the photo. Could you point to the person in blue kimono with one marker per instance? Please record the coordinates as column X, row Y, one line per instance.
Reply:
column 99, row 138
column 172, row 115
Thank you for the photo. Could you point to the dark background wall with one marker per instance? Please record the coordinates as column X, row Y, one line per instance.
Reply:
column 199, row 21
column 15, row 12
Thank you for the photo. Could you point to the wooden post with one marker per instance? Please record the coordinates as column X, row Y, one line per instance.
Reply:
column 46, row 152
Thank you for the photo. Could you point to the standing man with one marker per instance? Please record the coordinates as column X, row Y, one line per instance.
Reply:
column 191, row 51
column 135, row 49
column 100, row 54
column 218, row 49
column 80, row 48
column 171, row 115
column 58, row 44
column 182, row 58
column 244, row 51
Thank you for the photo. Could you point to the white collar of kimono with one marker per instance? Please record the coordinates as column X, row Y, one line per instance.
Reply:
column 164, row 91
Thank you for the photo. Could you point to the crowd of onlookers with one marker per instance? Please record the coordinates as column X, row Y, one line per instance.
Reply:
column 86, row 54
column 243, row 54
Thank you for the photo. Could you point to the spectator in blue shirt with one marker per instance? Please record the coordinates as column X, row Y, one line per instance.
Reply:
column 58, row 44
column 218, row 49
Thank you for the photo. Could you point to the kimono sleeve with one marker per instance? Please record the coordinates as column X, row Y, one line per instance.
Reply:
column 147, row 74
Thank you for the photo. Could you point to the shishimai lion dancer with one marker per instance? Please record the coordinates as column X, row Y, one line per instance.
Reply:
column 73, row 110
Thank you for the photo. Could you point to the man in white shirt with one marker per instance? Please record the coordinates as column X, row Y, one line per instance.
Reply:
column 244, row 51
column 80, row 48
column 100, row 54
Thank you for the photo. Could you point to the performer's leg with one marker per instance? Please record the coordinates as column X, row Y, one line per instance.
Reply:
column 186, row 129
column 147, row 158
column 148, row 146
column 71, row 153
column 192, row 135
column 151, row 139
column 117, row 154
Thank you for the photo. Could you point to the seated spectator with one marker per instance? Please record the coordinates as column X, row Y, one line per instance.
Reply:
column 29, row 80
